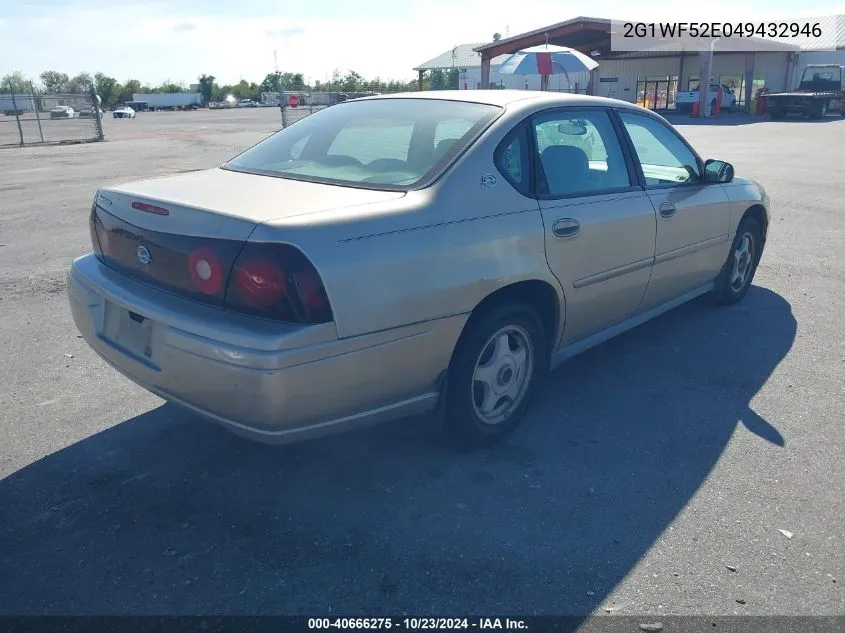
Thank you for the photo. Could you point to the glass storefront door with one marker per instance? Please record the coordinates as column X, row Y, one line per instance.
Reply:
column 657, row 93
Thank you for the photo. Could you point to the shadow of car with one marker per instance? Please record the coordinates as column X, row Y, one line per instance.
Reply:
column 166, row 514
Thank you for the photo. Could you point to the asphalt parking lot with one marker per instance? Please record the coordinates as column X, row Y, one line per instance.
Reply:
column 646, row 468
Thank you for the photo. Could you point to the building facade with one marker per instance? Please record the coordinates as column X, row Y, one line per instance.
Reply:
column 650, row 78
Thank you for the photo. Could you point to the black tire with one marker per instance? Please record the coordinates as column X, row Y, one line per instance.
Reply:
column 728, row 292
column 463, row 423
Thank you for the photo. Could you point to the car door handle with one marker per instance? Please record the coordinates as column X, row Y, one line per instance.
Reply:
column 566, row 228
column 667, row 209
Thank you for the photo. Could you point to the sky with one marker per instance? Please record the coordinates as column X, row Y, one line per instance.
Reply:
column 178, row 40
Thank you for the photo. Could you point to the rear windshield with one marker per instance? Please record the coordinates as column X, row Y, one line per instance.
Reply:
column 382, row 143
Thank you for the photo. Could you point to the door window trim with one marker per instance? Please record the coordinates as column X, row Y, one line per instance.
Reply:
column 633, row 177
column 617, row 112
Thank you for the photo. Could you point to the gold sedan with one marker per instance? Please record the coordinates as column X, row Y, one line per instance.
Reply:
column 402, row 254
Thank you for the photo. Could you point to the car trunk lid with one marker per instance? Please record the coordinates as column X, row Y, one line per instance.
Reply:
column 183, row 233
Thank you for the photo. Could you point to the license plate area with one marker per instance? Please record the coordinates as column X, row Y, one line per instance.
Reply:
column 129, row 330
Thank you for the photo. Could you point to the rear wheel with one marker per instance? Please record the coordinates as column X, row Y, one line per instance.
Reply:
column 734, row 280
column 500, row 360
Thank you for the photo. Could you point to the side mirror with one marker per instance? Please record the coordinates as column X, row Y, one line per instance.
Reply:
column 718, row 171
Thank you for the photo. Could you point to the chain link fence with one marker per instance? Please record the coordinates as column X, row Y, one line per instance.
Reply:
column 30, row 117
column 292, row 114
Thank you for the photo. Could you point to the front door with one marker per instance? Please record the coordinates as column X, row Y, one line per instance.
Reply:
column 693, row 218
column 600, row 226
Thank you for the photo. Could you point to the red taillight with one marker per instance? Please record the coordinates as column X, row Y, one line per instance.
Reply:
column 310, row 289
column 204, row 269
column 150, row 208
column 99, row 234
column 260, row 282
column 278, row 282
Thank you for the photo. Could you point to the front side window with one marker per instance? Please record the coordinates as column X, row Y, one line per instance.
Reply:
column 579, row 153
column 665, row 158
column 380, row 143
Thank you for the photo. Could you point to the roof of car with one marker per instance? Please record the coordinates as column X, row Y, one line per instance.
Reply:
column 506, row 97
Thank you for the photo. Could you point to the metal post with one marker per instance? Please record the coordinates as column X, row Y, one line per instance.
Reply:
column 709, row 72
column 35, row 107
column 703, row 81
column 748, row 88
column 98, row 122
column 485, row 71
column 15, row 107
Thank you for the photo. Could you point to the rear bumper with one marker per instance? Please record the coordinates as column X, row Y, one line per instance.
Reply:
column 271, row 382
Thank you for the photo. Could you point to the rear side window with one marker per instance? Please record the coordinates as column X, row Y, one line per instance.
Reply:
column 579, row 153
column 513, row 160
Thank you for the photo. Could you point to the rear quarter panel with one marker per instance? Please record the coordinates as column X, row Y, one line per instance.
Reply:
column 434, row 253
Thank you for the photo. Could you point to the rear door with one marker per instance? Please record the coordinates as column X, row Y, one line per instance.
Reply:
column 693, row 217
column 599, row 224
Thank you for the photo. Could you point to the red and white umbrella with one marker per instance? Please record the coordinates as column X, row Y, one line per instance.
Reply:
column 547, row 60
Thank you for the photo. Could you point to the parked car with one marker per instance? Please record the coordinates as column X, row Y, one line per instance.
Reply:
column 246, row 103
column 61, row 112
column 124, row 113
column 90, row 112
column 685, row 100
column 434, row 252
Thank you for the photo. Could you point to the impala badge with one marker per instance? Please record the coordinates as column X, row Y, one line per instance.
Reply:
column 488, row 180
column 144, row 255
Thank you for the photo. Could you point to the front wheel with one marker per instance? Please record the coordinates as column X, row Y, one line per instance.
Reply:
column 500, row 360
column 734, row 280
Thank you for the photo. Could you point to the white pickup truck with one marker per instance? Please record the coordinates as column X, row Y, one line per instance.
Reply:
column 686, row 99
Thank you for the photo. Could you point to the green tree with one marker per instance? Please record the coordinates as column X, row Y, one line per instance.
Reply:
column 80, row 84
column 272, row 82
column 452, row 79
column 16, row 82
column 130, row 88
column 170, row 86
column 108, row 88
column 438, row 80
column 246, row 90
column 207, row 86
column 54, row 82
column 279, row 81
column 352, row 82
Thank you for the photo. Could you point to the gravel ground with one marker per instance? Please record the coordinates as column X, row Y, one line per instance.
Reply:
column 648, row 470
